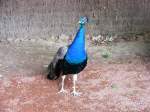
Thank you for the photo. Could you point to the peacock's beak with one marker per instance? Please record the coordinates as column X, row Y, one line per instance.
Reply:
column 79, row 22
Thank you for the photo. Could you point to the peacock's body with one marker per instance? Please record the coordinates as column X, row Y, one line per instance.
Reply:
column 70, row 59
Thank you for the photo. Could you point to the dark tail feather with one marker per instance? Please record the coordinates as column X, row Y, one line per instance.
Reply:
column 51, row 77
column 51, row 72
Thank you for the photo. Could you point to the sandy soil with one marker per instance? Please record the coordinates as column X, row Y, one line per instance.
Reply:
column 118, row 83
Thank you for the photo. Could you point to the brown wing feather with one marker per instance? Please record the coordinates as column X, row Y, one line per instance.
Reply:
column 58, row 56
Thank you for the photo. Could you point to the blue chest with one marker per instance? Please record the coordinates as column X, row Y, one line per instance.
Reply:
column 76, row 52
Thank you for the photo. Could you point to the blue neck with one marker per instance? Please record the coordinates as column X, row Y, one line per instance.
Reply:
column 76, row 51
column 79, row 40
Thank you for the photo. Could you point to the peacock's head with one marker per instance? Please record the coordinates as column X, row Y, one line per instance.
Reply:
column 83, row 20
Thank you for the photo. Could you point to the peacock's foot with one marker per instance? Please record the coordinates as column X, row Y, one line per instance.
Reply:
column 63, row 91
column 74, row 93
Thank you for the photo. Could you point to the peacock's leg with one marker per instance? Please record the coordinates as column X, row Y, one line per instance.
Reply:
column 74, row 92
column 62, row 90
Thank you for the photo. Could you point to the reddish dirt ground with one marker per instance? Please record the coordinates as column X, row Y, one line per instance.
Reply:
column 105, row 87
column 108, row 87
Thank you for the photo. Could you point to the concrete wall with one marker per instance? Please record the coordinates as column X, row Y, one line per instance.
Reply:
column 43, row 18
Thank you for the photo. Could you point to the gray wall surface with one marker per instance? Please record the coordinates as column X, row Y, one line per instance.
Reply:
column 43, row 18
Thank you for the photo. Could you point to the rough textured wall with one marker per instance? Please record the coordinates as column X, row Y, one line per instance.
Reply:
column 42, row 18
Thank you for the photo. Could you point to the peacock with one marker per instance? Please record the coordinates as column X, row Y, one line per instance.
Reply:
column 70, row 59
